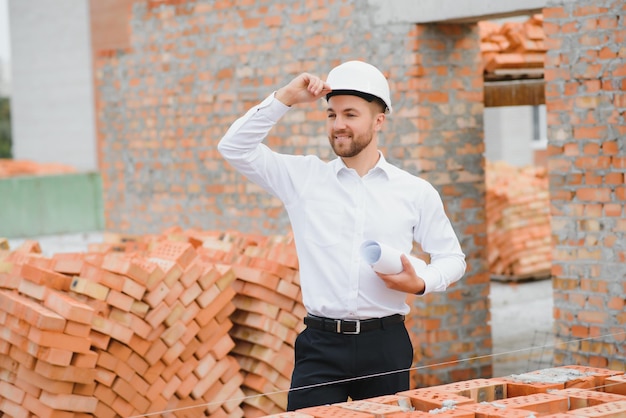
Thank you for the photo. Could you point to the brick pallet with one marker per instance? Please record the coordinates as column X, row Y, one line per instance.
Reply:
column 518, row 222
column 188, row 321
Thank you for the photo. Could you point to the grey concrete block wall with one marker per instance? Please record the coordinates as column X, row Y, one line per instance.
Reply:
column 52, row 83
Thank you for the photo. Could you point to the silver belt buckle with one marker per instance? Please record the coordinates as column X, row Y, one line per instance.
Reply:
column 355, row 332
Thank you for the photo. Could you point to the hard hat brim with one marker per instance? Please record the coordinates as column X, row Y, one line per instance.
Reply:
column 365, row 96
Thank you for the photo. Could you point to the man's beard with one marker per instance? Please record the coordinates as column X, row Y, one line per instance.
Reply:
column 353, row 147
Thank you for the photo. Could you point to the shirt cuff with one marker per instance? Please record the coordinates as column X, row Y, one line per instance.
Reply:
column 273, row 108
column 432, row 280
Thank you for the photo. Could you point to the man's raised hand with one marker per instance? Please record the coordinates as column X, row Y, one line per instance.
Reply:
column 304, row 88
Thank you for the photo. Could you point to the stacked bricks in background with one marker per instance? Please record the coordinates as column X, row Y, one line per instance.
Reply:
column 585, row 74
column 518, row 222
column 268, row 317
column 513, row 45
column 559, row 392
column 158, row 127
column 14, row 168
column 447, row 111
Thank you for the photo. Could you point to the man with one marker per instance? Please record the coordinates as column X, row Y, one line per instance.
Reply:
column 355, row 344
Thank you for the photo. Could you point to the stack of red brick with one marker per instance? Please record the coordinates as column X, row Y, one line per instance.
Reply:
column 561, row 392
column 518, row 221
column 513, row 45
column 14, row 168
column 189, row 321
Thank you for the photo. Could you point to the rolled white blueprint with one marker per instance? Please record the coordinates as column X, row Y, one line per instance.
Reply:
column 386, row 260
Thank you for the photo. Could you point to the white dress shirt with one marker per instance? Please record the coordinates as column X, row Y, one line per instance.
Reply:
column 333, row 210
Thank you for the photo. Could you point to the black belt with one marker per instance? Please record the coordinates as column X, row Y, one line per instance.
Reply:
column 351, row 326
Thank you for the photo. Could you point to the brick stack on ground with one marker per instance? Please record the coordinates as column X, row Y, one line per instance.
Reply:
column 15, row 168
column 559, row 392
column 513, row 46
column 151, row 324
column 518, row 222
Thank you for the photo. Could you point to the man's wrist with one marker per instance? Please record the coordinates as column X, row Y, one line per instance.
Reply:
column 283, row 97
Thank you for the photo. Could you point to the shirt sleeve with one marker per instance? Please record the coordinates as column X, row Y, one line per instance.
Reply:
column 242, row 147
column 437, row 238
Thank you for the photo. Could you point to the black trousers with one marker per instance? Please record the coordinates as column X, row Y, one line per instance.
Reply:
column 331, row 367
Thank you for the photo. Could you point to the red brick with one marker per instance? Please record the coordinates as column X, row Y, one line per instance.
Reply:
column 40, row 410
column 31, row 312
column 330, row 411
column 85, row 360
column 12, row 392
column 183, row 253
column 495, row 410
column 221, row 302
column 65, row 373
column 89, row 288
column 377, row 409
column 173, row 295
column 480, row 390
column 105, row 377
column 157, row 315
column 55, row 356
column 59, row 340
column 68, row 307
column 599, row 374
column 190, row 294
column 13, row 409
column 582, row 398
column 156, row 295
column 124, row 265
column 172, row 355
column 605, row 410
column 427, row 399
column 68, row 263
column 104, row 277
column 615, row 384
column 69, row 402
column 541, row 403
column 77, row 329
column 33, row 290
column 45, row 277
column 41, row 381
column 271, row 297
column 120, row 300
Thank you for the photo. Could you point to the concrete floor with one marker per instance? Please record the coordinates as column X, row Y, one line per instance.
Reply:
column 521, row 312
column 521, row 326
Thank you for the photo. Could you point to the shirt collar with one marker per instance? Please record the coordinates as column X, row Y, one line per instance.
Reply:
column 382, row 165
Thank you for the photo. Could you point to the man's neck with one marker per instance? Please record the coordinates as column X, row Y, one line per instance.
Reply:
column 363, row 162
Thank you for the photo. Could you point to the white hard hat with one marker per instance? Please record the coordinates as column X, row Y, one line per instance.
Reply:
column 361, row 79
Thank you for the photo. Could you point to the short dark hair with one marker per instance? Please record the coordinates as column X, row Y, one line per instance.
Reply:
column 366, row 96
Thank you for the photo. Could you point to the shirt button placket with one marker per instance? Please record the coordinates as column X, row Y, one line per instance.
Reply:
column 359, row 223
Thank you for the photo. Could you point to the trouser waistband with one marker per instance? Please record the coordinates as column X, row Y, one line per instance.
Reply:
column 351, row 326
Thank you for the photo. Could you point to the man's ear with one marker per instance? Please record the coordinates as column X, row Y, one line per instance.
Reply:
column 380, row 119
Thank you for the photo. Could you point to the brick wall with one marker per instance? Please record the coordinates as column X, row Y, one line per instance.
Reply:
column 446, row 147
column 173, row 75
column 586, row 104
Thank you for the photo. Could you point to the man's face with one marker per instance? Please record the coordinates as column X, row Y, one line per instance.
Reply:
column 351, row 123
